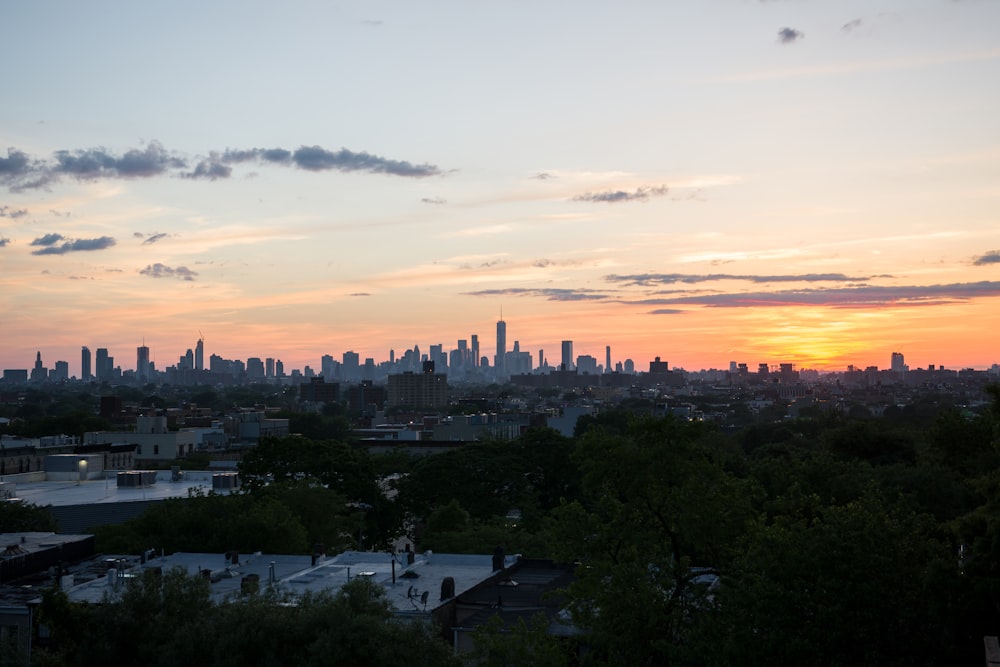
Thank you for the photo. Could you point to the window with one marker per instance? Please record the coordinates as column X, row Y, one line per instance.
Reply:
column 156, row 450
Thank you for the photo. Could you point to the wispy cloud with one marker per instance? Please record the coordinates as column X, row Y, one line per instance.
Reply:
column 667, row 311
column 549, row 293
column 4, row 242
column 12, row 213
column 991, row 257
column 310, row 158
column 19, row 171
column 653, row 279
column 867, row 296
column 851, row 25
column 50, row 244
column 788, row 35
column 434, row 200
column 617, row 196
column 153, row 238
column 48, row 239
column 163, row 271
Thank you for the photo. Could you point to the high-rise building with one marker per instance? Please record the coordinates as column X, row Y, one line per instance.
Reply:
column 39, row 373
column 607, row 358
column 898, row 363
column 199, row 355
column 351, row 369
column 474, row 351
column 85, row 364
column 103, row 365
column 567, row 355
column 269, row 367
column 60, row 373
column 499, row 359
column 142, row 363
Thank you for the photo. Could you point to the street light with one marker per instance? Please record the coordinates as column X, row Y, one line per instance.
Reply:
column 83, row 470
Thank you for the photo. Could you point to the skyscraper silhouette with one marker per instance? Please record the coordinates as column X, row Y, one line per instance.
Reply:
column 500, row 361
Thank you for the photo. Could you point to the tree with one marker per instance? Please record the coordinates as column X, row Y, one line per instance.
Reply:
column 860, row 583
column 660, row 516
column 21, row 517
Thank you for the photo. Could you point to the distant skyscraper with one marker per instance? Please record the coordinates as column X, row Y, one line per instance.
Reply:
column 607, row 359
column 199, row 355
column 269, row 367
column 85, row 364
column 898, row 363
column 102, row 365
column 39, row 373
column 499, row 360
column 142, row 363
column 567, row 355
column 474, row 352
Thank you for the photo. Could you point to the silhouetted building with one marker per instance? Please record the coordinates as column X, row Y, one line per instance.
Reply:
column 418, row 390
column 85, row 373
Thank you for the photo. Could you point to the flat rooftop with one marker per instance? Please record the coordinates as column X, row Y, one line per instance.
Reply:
column 107, row 490
column 296, row 575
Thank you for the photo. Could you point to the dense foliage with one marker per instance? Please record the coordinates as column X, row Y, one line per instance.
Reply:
column 830, row 539
column 170, row 620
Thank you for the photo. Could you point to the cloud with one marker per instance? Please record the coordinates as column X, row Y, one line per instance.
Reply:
column 210, row 169
column 99, row 163
column 19, row 171
column 4, row 242
column 867, row 296
column 542, row 176
column 48, row 239
column 667, row 311
column 652, row 279
column 360, row 294
column 991, row 257
column 163, row 271
column 851, row 25
column 153, row 238
column 71, row 245
column 434, row 200
column 789, row 35
column 616, row 196
column 13, row 214
column 315, row 158
column 549, row 293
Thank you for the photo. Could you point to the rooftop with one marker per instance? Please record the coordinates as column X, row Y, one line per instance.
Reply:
column 296, row 575
column 107, row 490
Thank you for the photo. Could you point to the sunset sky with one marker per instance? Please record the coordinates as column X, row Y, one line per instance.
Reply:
column 798, row 181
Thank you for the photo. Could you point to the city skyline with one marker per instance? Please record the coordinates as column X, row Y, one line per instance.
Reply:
column 145, row 360
column 807, row 183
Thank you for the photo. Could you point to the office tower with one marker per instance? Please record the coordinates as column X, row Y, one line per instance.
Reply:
column 39, row 373
column 186, row 363
column 463, row 354
column 102, row 366
column 567, row 355
column 142, row 363
column 85, row 364
column 541, row 358
column 279, row 369
column 438, row 356
column 61, row 372
column 255, row 368
column 898, row 363
column 474, row 352
column 269, row 367
column 607, row 359
column 351, row 370
column 199, row 355
column 499, row 359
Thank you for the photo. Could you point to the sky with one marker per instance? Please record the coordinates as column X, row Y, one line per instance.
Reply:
column 782, row 181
